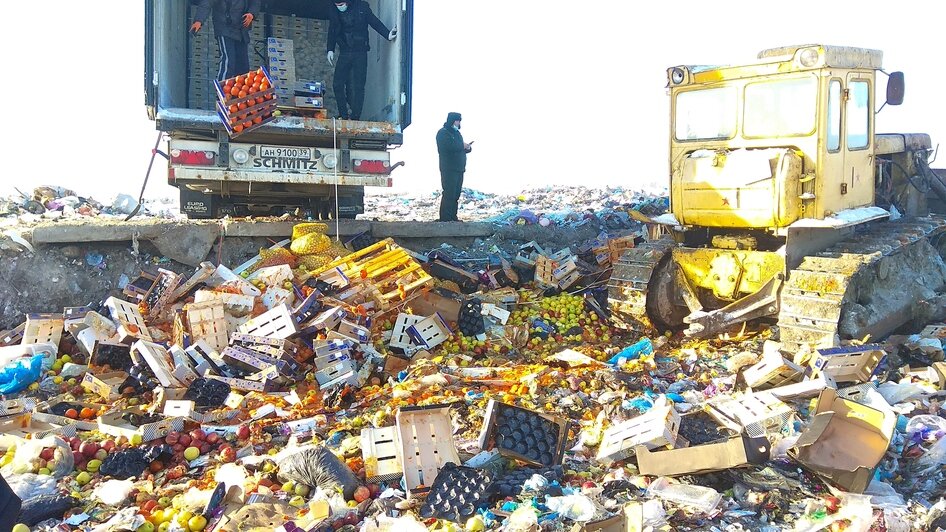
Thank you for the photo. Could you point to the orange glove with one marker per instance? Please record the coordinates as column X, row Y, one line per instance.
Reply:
column 195, row 27
column 248, row 19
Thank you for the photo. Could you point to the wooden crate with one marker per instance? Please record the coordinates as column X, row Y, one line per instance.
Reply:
column 545, row 272
column 381, row 451
column 43, row 329
column 655, row 428
column 426, row 436
column 756, row 414
column 208, row 322
column 773, row 370
column 131, row 325
column 275, row 323
column 849, row 363
column 399, row 335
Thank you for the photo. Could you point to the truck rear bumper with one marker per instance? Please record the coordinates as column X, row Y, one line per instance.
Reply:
column 192, row 176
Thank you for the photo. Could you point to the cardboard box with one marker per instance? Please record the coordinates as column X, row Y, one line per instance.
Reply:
column 188, row 409
column 849, row 363
column 429, row 332
column 105, row 385
column 844, row 441
column 44, row 414
column 112, row 423
column 43, row 329
column 246, row 385
column 755, row 414
column 276, row 323
column 740, row 451
column 773, row 370
column 425, row 434
column 399, row 335
column 158, row 359
column 934, row 374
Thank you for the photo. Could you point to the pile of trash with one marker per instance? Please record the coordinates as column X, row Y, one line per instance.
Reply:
column 545, row 206
column 54, row 203
column 326, row 388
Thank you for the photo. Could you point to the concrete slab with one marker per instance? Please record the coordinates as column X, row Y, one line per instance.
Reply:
column 432, row 229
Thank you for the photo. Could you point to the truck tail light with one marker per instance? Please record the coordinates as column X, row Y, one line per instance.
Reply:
column 172, row 179
column 365, row 166
column 193, row 157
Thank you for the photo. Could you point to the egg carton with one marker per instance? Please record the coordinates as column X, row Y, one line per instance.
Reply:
column 536, row 438
column 457, row 493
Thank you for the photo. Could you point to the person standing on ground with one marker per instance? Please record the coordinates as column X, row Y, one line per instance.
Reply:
column 348, row 30
column 232, row 21
column 452, row 152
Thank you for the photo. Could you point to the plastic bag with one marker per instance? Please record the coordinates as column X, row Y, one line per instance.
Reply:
column 29, row 485
column 17, row 376
column 113, row 492
column 45, row 507
column 316, row 466
column 28, row 455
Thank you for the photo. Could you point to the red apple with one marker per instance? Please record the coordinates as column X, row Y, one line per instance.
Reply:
column 588, row 485
column 198, row 435
column 374, row 490
column 77, row 457
column 109, row 445
column 74, row 443
column 227, row 454
column 243, row 432
column 172, row 437
column 204, row 448
column 352, row 519
column 178, row 448
column 185, row 440
column 362, row 494
column 213, row 438
column 88, row 449
column 47, row 453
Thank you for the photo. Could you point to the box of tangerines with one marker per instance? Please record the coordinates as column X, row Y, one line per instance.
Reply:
column 245, row 102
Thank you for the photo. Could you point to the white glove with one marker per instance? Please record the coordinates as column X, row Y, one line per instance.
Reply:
column 392, row 34
column 331, row 58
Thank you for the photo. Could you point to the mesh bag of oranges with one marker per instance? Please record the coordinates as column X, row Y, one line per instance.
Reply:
column 300, row 230
column 313, row 262
column 274, row 257
column 311, row 244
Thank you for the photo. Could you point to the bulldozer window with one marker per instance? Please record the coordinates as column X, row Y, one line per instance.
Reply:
column 706, row 114
column 858, row 115
column 784, row 108
column 834, row 115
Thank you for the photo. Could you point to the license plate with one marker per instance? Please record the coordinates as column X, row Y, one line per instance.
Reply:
column 282, row 152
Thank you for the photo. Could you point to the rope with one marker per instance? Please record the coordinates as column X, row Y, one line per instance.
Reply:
column 337, row 161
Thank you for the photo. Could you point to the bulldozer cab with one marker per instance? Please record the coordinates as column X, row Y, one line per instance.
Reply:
column 763, row 145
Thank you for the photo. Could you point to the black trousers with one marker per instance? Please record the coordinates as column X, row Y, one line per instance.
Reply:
column 10, row 506
column 351, row 73
column 234, row 58
column 452, row 183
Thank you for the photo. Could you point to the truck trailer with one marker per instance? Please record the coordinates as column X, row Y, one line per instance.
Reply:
column 303, row 161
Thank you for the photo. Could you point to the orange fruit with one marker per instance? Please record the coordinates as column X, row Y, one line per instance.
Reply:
column 260, row 100
column 240, row 80
column 241, row 106
column 263, row 85
column 254, row 88
column 234, row 91
column 72, row 413
column 238, row 128
column 234, row 108
column 229, row 83
column 242, row 94
column 258, row 119
column 87, row 413
column 259, row 70
column 248, row 123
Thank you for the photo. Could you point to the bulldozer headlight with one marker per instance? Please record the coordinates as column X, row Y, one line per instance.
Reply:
column 676, row 76
column 809, row 57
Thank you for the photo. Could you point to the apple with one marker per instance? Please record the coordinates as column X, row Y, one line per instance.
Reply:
column 88, row 449
column 204, row 447
column 74, row 443
column 198, row 434
column 374, row 490
column 352, row 519
column 191, row 453
column 109, row 445
column 178, row 447
column 101, row 454
column 185, row 440
column 227, row 454
column 172, row 437
column 213, row 438
column 588, row 485
column 47, row 453
column 243, row 432
column 77, row 457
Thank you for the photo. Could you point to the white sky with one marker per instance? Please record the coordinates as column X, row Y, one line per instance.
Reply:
column 552, row 91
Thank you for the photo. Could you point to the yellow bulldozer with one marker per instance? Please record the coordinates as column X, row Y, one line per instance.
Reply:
column 787, row 205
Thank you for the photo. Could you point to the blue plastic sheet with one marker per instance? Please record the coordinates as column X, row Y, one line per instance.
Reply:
column 632, row 352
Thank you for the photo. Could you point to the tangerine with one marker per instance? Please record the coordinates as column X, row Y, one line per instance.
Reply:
column 234, row 91
column 234, row 108
column 263, row 85
column 87, row 413
column 255, row 87
column 248, row 123
column 241, row 106
column 240, row 80
column 72, row 413
column 228, row 83
column 238, row 128
column 260, row 100
column 242, row 93
column 258, row 120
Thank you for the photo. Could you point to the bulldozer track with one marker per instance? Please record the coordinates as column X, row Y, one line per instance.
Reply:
column 627, row 289
column 817, row 294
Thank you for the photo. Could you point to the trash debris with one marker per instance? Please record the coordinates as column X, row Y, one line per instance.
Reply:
column 382, row 388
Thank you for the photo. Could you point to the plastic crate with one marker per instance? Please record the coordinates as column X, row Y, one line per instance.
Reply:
column 427, row 445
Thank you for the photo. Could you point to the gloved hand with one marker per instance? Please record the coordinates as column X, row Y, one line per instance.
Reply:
column 247, row 19
column 195, row 27
column 392, row 34
column 331, row 58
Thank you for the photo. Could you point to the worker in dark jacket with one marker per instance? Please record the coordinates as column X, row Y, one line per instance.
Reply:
column 232, row 21
column 10, row 506
column 452, row 152
column 348, row 30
